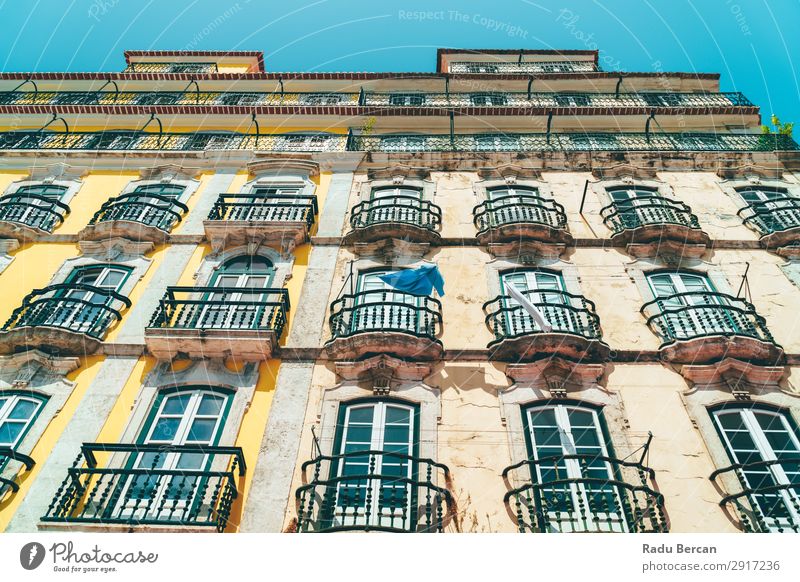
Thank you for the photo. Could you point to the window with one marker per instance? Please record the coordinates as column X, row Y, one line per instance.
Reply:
column 690, row 305
column 380, row 307
column 18, row 410
column 573, row 501
column 36, row 205
column 151, row 204
column 662, row 99
column 231, row 308
column 546, row 291
column 83, row 306
column 395, row 204
column 488, row 99
column 406, row 99
column 388, row 429
column 767, row 444
column 572, row 100
column 321, row 99
column 774, row 209
column 518, row 204
column 193, row 416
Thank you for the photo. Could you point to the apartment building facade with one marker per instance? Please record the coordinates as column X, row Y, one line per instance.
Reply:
column 197, row 336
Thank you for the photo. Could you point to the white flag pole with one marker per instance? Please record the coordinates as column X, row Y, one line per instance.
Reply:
column 526, row 304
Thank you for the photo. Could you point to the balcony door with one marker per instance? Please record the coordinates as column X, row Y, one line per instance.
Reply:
column 753, row 437
column 395, row 205
column 172, row 484
column 84, row 306
column 512, row 205
column 637, row 205
column 569, row 496
column 272, row 203
column 36, row 205
column 776, row 209
column 690, row 305
column 150, row 204
column 380, row 307
column 546, row 291
column 240, row 305
column 374, row 488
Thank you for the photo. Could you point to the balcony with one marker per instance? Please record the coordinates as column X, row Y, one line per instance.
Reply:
column 161, row 67
column 575, row 333
column 60, row 319
column 133, row 140
column 520, row 68
column 374, row 495
column 12, row 464
column 377, row 322
column 778, row 221
column 281, row 220
column 216, row 322
column 400, row 217
column 551, row 501
column 653, row 224
column 625, row 103
column 135, row 217
column 27, row 216
column 148, row 488
column 762, row 503
column 700, row 327
column 521, row 218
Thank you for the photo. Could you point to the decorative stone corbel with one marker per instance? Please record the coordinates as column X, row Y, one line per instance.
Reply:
column 628, row 173
column 558, row 375
column 392, row 250
column 752, row 172
column 168, row 172
column 743, row 379
column 382, row 370
column 114, row 248
column 510, row 173
column 399, row 173
column 25, row 369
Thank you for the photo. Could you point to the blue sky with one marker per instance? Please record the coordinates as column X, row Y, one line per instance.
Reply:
column 752, row 43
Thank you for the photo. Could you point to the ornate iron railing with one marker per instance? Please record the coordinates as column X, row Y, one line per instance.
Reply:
column 65, row 306
column 519, row 209
column 762, row 503
column 33, row 210
column 14, row 462
column 520, row 68
column 609, row 495
column 150, row 209
column 150, row 485
column 222, row 308
column 771, row 215
column 649, row 210
column 696, row 314
column 381, row 311
column 396, row 209
column 373, row 491
column 493, row 99
column 565, row 312
column 269, row 208
column 134, row 140
column 157, row 67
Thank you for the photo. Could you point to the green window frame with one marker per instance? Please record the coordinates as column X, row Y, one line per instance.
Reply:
column 18, row 413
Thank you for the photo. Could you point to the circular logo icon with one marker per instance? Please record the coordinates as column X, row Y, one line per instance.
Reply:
column 31, row 555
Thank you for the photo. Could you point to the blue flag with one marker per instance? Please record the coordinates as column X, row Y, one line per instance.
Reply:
column 419, row 281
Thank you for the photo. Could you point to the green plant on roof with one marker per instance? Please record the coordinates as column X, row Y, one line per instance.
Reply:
column 779, row 128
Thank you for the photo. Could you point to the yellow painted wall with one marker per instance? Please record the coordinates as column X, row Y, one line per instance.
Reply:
column 96, row 188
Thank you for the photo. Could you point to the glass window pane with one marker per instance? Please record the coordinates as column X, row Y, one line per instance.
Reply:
column 210, row 405
column 165, row 430
column 176, row 404
column 395, row 414
column 23, row 410
column 9, row 432
column 202, row 430
column 361, row 414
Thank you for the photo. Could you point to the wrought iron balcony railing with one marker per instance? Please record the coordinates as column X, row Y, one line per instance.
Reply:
column 142, row 67
column 519, row 209
column 515, row 68
column 373, row 491
column 764, row 503
column 153, row 210
column 495, row 99
column 698, row 314
column 136, row 485
column 771, row 216
column 33, row 210
column 565, row 312
column 271, row 208
column 646, row 211
column 82, row 309
column 134, row 140
column 222, row 308
column 11, row 464
column 396, row 209
column 599, row 494
column 386, row 311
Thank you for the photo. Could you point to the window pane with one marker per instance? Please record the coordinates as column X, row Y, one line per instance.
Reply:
column 210, row 405
column 361, row 414
column 165, row 429
column 9, row 432
column 23, row 410
column 396, row 415
column 176, row 404
column 202, row 430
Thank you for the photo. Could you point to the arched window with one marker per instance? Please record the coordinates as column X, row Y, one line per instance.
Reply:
column 36, row 205
column 18, row 411
column 237, row 304
column 766, row 443
column 771, row 209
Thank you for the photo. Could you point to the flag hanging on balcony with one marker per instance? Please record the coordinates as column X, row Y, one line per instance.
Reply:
column 420, row 281
column 526, row 304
